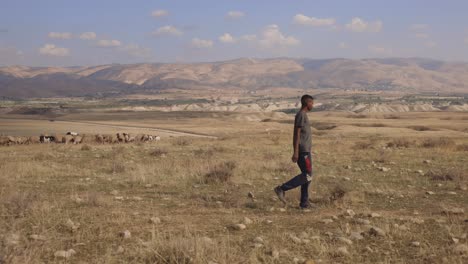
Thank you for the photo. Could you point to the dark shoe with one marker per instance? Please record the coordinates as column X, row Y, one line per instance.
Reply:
column 280, row 193
column 308, row 206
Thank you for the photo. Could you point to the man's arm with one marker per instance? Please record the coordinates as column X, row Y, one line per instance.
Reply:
column 296, row 141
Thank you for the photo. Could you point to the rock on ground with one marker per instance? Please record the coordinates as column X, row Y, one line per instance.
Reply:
column 64, row 254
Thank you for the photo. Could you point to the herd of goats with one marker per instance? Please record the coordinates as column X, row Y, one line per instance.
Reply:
column 75, row 138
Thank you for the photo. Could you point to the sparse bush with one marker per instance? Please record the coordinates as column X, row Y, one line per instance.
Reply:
column 18, row 204
column 158, row 152
column 93, row 199
column 323, row 126
column 182, row 141
column 391, row 117
column 337, row 193
column 319, row 133
column 447, row 175
column 85, row 148
column 437, row 142
column 370, row 125
column 357, row 116
column 364, row 144
column 220, row 173
column 276, row 140
column 462, row 147
column 117, row 167
column 400, row 143
column 285, row 168
column 209, row 152
column 186, row 248
column 421, row 128
column 382, row 157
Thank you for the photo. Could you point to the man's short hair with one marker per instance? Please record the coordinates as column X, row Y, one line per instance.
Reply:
column 304, row 99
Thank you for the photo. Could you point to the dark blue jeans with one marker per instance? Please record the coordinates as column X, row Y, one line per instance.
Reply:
column 305, row 164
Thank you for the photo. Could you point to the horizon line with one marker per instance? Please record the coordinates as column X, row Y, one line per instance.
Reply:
column 240, row 58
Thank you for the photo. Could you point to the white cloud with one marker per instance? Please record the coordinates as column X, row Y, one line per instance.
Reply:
column 167, row 30
column 10, row 55
column 88, row 35
column 60, row 35
column 272, row 37
column 251, row 37
column 52, row 50
column 359, row 25
column 343, row 45
column 109, row 43
column 227, row 38
column 417, row 27
column 235, row 14
column 421, row 35
column 379, row 50
column 159, row 13
column 137, row 51
column 430, row 44
column 201, row 43
column 301, row 19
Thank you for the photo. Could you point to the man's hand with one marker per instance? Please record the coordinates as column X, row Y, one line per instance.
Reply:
column 295, row 157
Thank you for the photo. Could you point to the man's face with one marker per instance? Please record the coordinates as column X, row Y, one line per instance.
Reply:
column 310, row 104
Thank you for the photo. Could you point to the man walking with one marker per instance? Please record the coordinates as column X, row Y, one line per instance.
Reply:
column 302, row 143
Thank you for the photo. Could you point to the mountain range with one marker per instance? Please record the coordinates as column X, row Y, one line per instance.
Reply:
column 390, row 74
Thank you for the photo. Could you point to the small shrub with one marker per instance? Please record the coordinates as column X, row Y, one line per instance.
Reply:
column 437, row 142
column 182, row 141
column 85, row 148
column 220, row 173
column 462, row 147
column 285, row 168
column 323, row 126
column 399, row 143
column 276, row 140
column 19, row 204
column 319, row 133
column 370, row 125
column 382, row 157
column 117, row 167
column 421, row 128
column 158, row 152
column 364, row 145
column 94, row 199
column 391, row 117
column 337, row 193
column 447, row 175
column 209, row 152
column 357, row 116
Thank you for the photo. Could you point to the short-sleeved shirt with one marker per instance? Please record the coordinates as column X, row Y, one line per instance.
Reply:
column 305, row 138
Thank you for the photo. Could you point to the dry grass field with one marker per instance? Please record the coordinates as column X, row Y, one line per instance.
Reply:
column 387, row 189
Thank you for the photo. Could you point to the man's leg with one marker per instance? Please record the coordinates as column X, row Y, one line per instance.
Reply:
column 297, row 181
column 305, row 187
column 305, row 194
column 300, row 179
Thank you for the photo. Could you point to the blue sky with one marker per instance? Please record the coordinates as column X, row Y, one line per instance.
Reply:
column 67, row 33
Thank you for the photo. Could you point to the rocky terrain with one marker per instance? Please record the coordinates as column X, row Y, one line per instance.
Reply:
column 393, row 74
column 384, row 190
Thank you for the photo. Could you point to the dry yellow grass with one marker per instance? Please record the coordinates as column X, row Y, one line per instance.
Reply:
column 108, row 189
